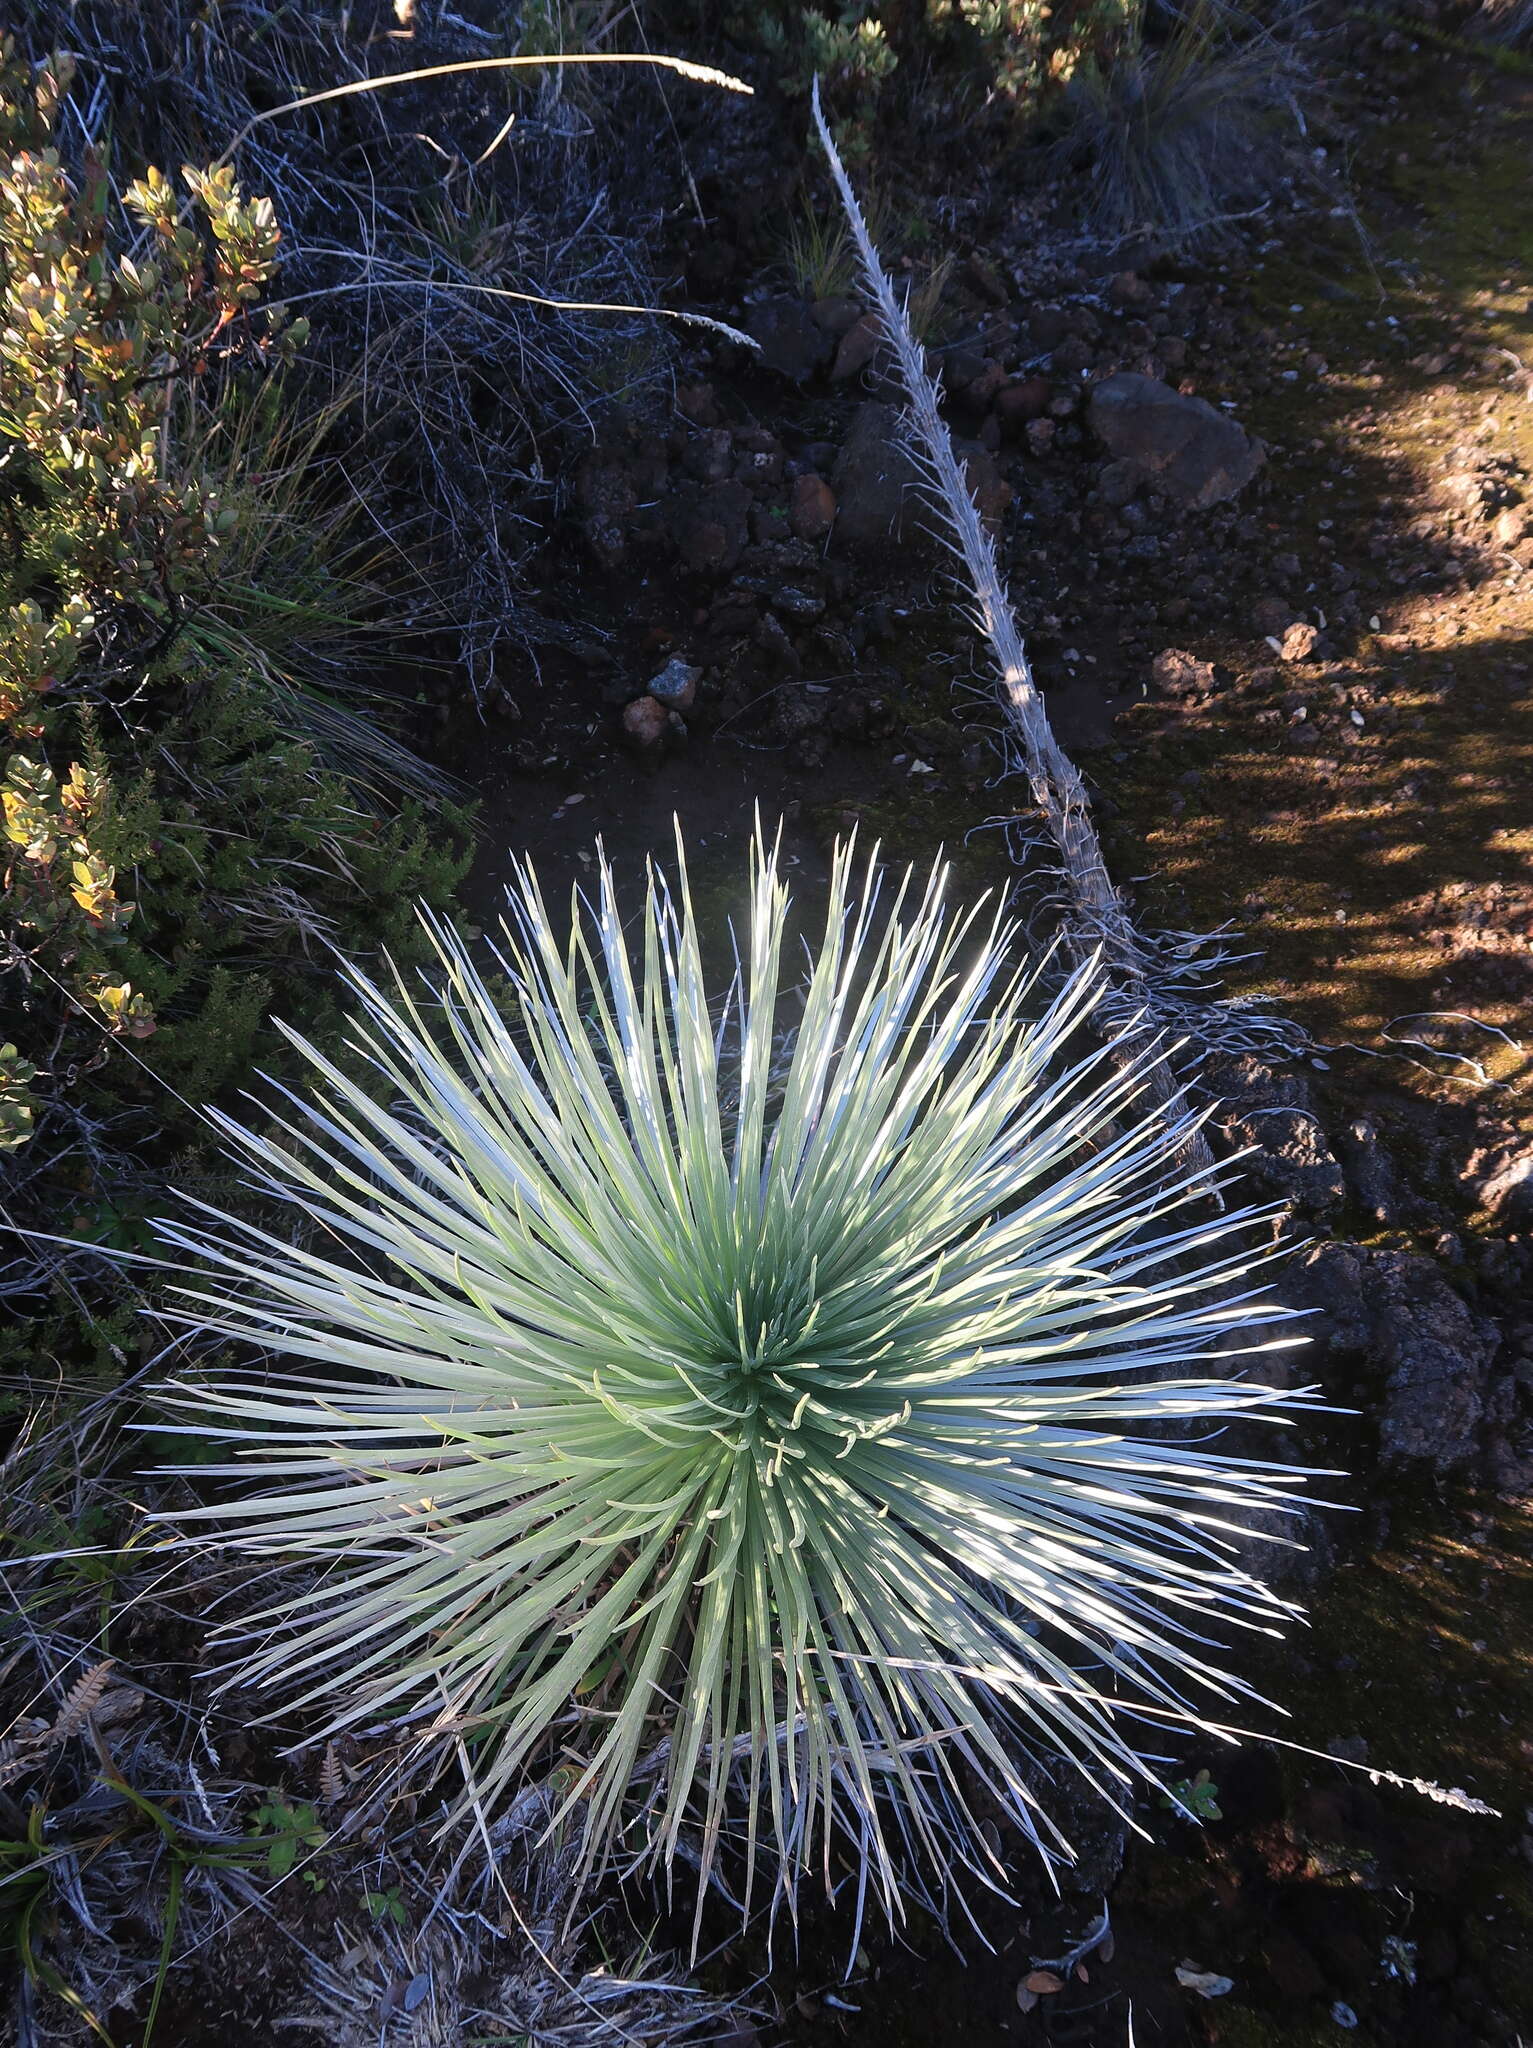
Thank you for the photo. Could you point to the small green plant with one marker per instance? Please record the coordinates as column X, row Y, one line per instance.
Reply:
column 846, row 49
column 796, row 1372
column 1198, row 1796
column 924, row 303
column 387, row 1905
column 195, row 803
column 1026, row 49
column 286, row 1831
column 26, row 1909
column 18, row 1105
column 41, row 1874
column 102, row 316
column 818, row 254
column 1020, row 52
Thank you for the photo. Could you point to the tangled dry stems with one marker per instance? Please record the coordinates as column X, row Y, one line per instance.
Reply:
column 122, row 1826
column 398, row 209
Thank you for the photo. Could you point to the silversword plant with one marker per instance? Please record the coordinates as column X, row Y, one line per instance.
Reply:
column 802, row 1411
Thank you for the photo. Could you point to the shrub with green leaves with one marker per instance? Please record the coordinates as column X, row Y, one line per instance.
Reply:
column 795, row 1410
column 1021, row 52
column 187, row 819
column 95, row 336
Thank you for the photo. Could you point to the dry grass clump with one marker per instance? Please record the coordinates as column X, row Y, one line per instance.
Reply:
column 160, row 1873
column 1171, row 135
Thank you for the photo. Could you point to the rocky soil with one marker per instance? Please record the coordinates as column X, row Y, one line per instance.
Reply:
column 1268, row 517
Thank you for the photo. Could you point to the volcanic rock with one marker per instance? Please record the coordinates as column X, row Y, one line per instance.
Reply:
column 1193, row 453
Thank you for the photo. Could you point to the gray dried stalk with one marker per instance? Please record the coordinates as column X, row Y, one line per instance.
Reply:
column 1159, row 984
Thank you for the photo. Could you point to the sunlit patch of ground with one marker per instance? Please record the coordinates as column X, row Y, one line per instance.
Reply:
column 1368, row 818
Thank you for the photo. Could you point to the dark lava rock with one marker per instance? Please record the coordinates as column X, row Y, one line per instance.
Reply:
column 1271, row 617
column 1507, row 1190
column 699, row 404
column 759, row 469
column 1437, row 1355
column 987, row 487
column 1327, row 1283
column 605, row 494
column 836, row 315
column 1395, row 1311
column 798, row 712
column 1130, row 290
column 1071, row 357
column 981, row 390
column 1195, row 454
column 876, row 479
column 1369, row 1171
column 959, row 366
column 1047, row 327
column 856, row 348
column 676, row 684
column 791, row 340
column 1027, row 399
column 709, row 456
column 1271, row 1111
column 711, row 525
column 1120, row 481
column 803, row 606
column 772, row 638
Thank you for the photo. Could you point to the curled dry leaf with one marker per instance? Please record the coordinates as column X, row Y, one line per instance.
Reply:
column 21, row 1752
column 1044, row 1982
column 1026, row 1999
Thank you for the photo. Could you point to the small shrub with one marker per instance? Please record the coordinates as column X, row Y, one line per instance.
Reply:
column 1027, row 49
column 94, row 341
column 460, row 393
column 189, row 818
column 1019, row 52
column 766, row 1414
column 1197, row 1797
